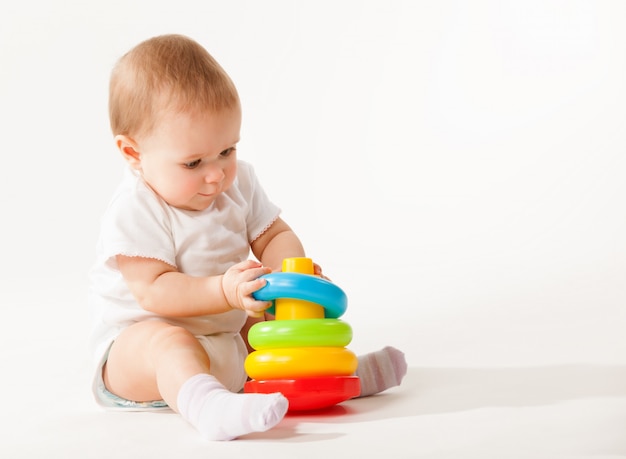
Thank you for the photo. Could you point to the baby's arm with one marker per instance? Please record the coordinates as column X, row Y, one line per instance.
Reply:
column 276, row 243
column 160, row 288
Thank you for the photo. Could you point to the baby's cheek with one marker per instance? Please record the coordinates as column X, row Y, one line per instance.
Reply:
column 188, row 188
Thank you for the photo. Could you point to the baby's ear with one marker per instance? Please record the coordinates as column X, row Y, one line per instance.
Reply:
column 129, row 150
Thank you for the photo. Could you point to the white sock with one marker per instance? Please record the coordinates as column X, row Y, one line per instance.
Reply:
column 378, row 371
column 219, row 414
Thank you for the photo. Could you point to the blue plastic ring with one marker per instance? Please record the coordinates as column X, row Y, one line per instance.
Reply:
column 298, row 286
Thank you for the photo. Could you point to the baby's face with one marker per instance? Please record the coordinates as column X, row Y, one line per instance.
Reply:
column 189, row 159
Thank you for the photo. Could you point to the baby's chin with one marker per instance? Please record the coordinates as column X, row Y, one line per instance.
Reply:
column 196, row 205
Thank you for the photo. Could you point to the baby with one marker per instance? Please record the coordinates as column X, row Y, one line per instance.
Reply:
column 172, row 285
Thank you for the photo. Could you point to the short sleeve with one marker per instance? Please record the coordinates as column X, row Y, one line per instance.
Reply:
column 136, row 225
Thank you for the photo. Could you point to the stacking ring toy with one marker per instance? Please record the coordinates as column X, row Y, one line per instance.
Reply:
column 302, row 352
column 304, row 287
column 298, row 362
column 300, row 333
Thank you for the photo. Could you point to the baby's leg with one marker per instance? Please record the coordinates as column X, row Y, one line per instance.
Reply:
column 140, row 362
column 381, row 370
column 222, row 415
column 154, row 360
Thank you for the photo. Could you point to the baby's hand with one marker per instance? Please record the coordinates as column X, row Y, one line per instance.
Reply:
column 317, row 270
column 238, row 284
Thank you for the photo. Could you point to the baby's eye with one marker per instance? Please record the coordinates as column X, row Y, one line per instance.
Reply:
column 227, row 152
column 192, row 164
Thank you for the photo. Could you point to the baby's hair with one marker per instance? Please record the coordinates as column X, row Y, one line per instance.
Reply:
column 167, row 72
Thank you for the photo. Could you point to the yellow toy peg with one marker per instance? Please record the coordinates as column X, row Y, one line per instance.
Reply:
column 288, row 308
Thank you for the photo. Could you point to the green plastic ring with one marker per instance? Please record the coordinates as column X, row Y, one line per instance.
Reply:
column 300, row 333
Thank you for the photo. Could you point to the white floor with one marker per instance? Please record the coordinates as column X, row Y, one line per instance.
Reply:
column 437, row 413
column 500, row 411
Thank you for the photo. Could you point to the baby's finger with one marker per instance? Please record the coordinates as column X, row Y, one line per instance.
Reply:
column 257, row 308
column 317, row 270
column 248, row 288
column 254, row 273
column 247, row 264
column 255, row 315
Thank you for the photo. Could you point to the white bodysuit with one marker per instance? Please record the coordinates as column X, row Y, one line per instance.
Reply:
column 137, row 222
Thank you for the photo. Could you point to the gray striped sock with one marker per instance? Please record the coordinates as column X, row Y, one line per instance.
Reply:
column 380, row 370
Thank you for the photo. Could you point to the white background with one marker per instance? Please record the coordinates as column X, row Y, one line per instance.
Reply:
column 457, row 167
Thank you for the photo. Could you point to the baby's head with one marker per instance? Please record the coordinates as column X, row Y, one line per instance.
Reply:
column 176, row 117
column 165, row 74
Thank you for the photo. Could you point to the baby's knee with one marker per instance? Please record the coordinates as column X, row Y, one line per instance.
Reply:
column 173, row 336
